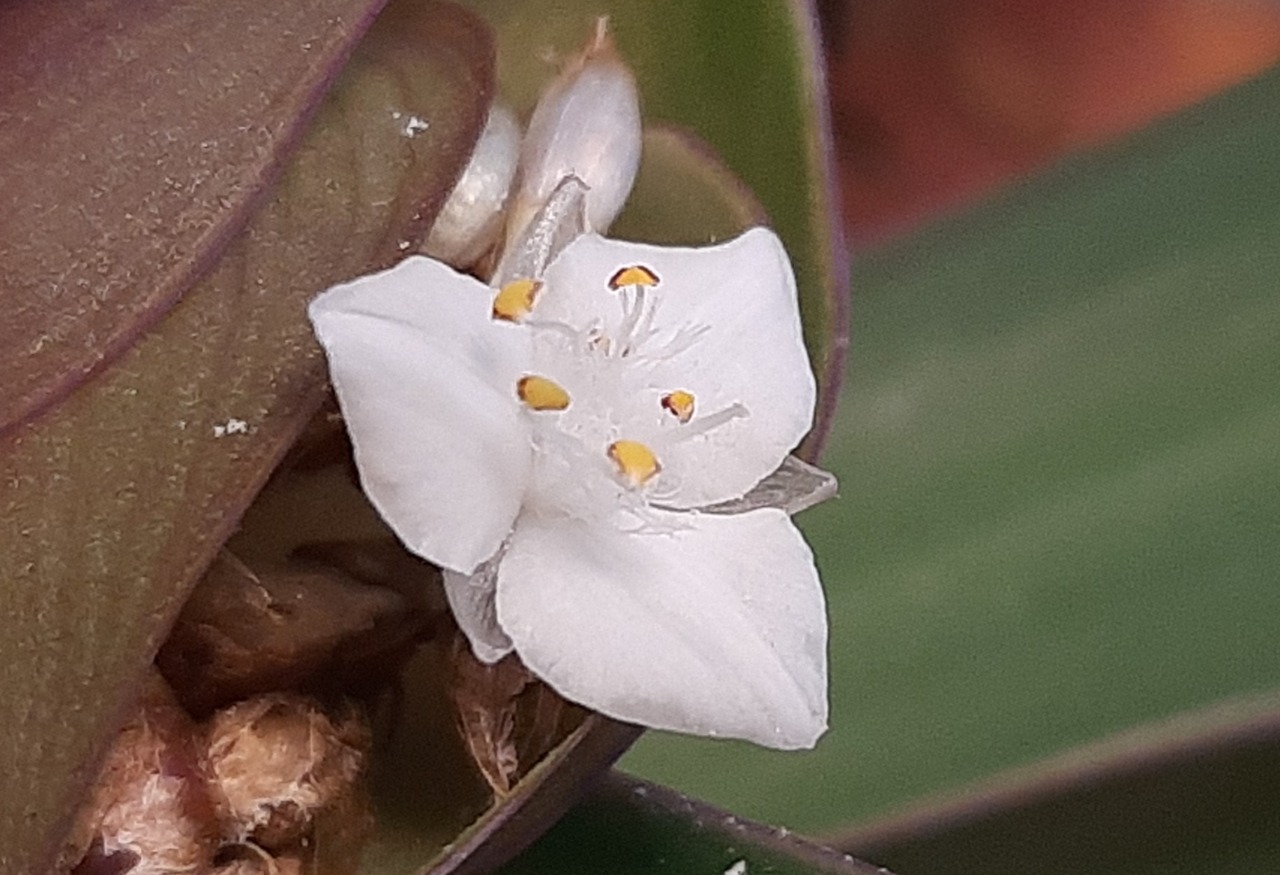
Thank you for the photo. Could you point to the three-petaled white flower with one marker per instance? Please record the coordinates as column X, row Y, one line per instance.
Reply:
column 563, row 448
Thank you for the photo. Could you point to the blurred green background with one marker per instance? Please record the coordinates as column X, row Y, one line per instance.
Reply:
column 1059, row 450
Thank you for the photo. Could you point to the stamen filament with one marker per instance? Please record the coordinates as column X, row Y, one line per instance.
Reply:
column 632, row 281
column 568, row 332
column 634, row 308
column 712, row 421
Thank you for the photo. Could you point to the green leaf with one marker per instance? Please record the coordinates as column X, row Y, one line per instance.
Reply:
column 628, row 826
column 1061, row 475
column 747, row 78
column 1195, row 793
column 114, row 500
column 114, row 204
column 684, row 195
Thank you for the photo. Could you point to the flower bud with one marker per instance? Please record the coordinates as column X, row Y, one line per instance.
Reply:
column 586, row 124
column 471, row 220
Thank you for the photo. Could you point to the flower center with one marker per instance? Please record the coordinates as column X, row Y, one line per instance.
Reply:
column 601, row 421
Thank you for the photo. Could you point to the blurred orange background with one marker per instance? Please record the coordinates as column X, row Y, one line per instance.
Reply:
column 936, row 102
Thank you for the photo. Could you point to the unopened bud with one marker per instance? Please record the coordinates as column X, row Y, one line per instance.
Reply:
column 586, row 124
column 471, row 220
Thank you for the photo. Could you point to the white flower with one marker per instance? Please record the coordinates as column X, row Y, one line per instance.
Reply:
column 563, row 449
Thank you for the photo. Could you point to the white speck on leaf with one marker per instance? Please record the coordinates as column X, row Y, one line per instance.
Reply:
column 230, row 427
column 415, row 126
column 738, row 868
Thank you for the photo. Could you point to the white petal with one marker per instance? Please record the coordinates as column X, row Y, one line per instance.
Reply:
column 426, row 379
column 471, row 598
column 751, row 352
column 718, row 628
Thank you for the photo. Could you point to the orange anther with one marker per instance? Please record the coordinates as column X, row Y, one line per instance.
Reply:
column 514, row 300
column 636, row 463
column 634, row 275
column 542, row 394
column 679, row 404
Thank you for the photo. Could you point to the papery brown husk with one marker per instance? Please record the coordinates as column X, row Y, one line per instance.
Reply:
column 508, row 719
column 289, row 777
column 273, row 784
column 150, row 809
column 245, row 632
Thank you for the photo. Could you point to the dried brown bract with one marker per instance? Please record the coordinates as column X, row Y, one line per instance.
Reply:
column 272, row 785
column 150, row 813
column 252, row 860
column 245, row 631
column 287, row 777
column 507, row 718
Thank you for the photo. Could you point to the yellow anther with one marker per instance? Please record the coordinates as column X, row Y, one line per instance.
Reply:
column 636, row 463
column 679, row 404
column 514, row 300
column 635, row 275
column 542, row 394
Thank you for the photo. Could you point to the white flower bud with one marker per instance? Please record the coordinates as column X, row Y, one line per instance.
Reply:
column 586, row 124
column 471, row 220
